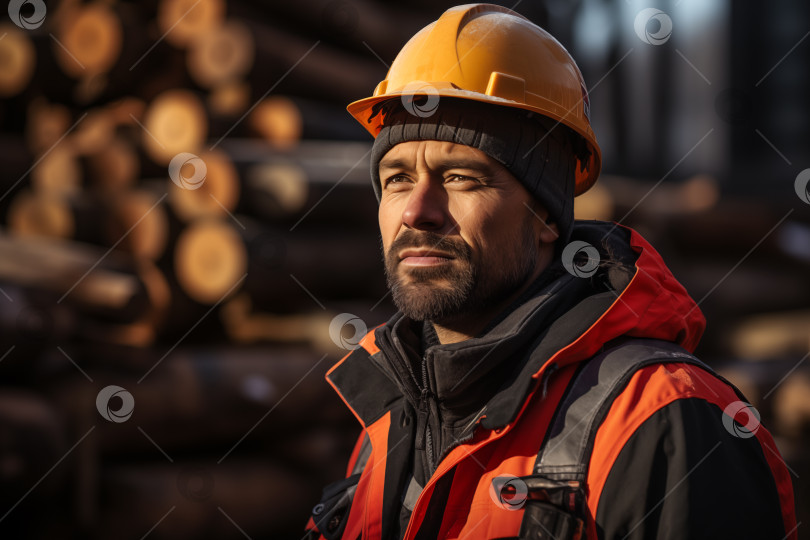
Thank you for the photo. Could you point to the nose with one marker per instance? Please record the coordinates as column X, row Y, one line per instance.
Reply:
column 426, row 206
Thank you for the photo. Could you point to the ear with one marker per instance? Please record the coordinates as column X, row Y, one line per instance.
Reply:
column 549, row 233
column 545, row 231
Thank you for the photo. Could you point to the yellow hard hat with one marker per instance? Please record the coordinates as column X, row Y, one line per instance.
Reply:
column 491, row 54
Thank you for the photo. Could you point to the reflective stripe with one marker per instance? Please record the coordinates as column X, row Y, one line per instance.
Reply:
column 566, row 453
column 412, row 494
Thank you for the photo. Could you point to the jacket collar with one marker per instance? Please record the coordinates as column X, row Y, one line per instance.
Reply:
column 463, row 376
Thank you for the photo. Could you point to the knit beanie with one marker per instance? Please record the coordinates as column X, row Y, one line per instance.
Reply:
column 538, row 151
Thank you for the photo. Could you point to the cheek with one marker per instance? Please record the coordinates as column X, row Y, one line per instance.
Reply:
column 390, row 222
column 494, row 234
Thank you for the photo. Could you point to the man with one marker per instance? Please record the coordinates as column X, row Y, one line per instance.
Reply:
column 536, row 380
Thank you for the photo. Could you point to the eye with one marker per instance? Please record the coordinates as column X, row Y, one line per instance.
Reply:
column 461, row 178
column 394, row 180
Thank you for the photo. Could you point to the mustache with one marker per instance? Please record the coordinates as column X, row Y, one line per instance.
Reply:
column 412, row 239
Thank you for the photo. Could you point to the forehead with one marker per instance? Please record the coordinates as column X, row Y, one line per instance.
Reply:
column 437, row 153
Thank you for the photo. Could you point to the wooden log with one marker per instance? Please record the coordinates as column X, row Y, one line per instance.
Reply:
column 277, row 191
column 35, row 318
column 91, row 37
column 792, row 406
column 110, row 289
column 94, row 132
column 596, row 203
column 138, row 224
column 247, row 327
column 703, row 232
column 205, row 398
column 184, row 21
column 144, row 329
column 772, row 335
column 229, row 100
column 224, row 55
column 39, row 215
column 350, row 75
column 217, row 195
column 29, row 321
column 210, row 260
column 115, row 167
column 17, row 60
column 58, row 173
column 175, row 122
column 278, row 120
column 127, row 110
column 325, row 121
column 694, row 195
column 100, row 127
column 307, row 269
column 91, row 88
column 45, row 124
column 287, row 119
column 312, row 185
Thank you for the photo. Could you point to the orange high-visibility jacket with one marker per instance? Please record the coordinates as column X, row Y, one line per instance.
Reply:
column 664, row 462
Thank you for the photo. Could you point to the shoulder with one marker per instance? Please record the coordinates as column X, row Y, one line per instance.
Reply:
column 677, row 441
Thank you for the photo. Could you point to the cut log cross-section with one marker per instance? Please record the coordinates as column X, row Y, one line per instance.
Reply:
column 175, row 122
column 210, row 258
column 222, row 55
column 217, row 194
column 17, row 60
column 183, row 21
column 90, row 40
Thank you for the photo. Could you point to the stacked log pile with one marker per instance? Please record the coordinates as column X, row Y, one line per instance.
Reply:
column 205, row 286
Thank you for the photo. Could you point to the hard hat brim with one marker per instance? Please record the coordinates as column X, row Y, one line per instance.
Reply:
column 586, row 173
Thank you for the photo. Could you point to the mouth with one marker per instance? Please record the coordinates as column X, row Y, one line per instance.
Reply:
column 424, row 257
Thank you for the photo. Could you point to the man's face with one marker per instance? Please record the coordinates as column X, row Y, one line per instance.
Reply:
column 460, row 233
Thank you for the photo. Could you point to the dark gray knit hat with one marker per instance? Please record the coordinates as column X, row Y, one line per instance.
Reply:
column 539, row 152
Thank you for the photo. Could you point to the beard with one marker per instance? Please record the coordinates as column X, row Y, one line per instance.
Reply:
column 466, row 285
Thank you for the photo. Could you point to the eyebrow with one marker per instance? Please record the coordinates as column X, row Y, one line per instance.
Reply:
column 397, row 163
column 392, row 163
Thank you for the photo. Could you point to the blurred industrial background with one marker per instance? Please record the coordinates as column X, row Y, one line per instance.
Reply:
column 200, row 290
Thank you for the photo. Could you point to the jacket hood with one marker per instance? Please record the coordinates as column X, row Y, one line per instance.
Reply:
column 652, row 304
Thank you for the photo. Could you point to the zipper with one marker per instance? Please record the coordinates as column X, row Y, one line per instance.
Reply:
column 447, row 464
column 425, row 409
